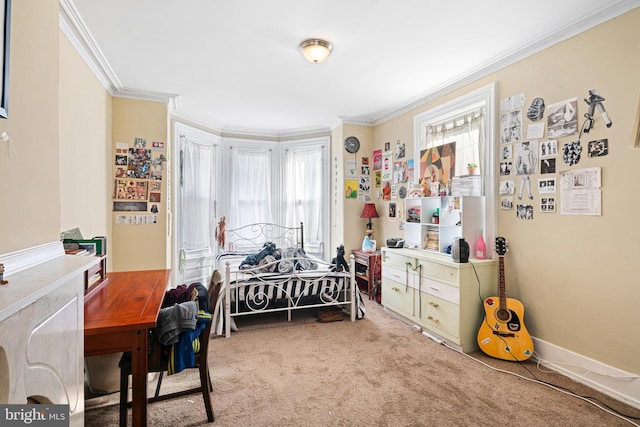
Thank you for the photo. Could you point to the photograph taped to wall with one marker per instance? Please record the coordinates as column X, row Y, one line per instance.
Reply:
column 547, row 185
column 548, row 166
column 562, row 118
column 507, row 187
column 506, row 168
column 598, row 148
column 511, row 126
column 506, row 152
column 506, row 203
column 122, row 148
column 139, row 163
column 547, row 204
column 127, row 189
column 524, row 212
column 129, row 206
column 548, row 148
column 525, row 157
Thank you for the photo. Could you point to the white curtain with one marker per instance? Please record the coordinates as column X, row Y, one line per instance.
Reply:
column 198, row 194
column 467, row 131
column 303, row 191
column 250, row 198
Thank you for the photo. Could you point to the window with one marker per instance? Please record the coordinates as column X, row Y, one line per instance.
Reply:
column 198, row 153
column 247, row 181
column 469, row 121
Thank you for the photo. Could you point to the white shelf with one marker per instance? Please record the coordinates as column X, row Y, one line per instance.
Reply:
column 460, row 216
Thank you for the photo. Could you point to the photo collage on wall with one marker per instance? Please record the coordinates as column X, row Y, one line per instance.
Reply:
column 139, row 171
column 387, row 175
column 525, row 150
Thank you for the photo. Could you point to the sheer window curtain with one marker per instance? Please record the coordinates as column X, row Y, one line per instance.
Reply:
column 303, row 185
column 197, row 195
column 251, row 191
column 467, row 131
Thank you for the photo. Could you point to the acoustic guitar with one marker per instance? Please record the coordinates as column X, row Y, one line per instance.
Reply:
column 503, row 334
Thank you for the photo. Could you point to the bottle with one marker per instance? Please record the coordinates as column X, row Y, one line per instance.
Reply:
column 435, row 219
column 481, row 247
column 367, row 246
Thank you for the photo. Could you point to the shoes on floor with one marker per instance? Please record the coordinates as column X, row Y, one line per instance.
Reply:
column 326, row 316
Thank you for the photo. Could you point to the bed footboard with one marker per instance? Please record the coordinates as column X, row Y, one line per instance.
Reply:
column 247, row 293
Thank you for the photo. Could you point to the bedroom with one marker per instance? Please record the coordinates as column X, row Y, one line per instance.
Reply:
column 574, row 274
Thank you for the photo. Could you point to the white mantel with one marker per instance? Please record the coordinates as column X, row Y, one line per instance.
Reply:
column 42, row 328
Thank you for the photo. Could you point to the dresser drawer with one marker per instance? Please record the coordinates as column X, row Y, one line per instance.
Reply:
column 440, row 315
column 441, row 290
column 397, row 297
column 396, row 259
column 401, row 276
column 438, row 271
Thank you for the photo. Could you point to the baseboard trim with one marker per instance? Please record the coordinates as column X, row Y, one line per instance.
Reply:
column 613, row 382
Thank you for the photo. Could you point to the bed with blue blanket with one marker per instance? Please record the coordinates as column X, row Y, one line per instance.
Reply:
column 266, row 269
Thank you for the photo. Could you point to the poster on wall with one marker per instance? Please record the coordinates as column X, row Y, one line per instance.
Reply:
column 387, row 165
column 364, row 189
column 580, row 192
column 351, row 189
column 377, row 160
column 438, row 163
column 351, row 172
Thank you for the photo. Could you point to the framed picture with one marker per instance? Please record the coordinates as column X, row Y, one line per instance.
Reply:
column 5, row 9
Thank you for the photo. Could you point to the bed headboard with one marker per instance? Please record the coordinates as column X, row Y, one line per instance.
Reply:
column 251, row 238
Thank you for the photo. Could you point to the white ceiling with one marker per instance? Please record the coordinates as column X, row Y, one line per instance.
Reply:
column 235, row 64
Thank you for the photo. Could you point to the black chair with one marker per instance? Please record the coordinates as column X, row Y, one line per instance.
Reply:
column 158, row 363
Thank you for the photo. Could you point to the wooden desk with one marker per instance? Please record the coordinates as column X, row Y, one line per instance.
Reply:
column 118, row 316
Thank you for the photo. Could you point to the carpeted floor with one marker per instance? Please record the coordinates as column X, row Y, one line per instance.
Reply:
column 377, row 371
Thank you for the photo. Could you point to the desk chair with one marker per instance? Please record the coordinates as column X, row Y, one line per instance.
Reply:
column 158, row 363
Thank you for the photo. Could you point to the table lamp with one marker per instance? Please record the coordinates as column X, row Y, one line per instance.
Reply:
column 369, row 211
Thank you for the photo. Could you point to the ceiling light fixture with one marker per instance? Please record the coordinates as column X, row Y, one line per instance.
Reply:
column 316, row 50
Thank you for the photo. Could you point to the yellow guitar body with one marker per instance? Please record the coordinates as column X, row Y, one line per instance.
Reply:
column 503, row 334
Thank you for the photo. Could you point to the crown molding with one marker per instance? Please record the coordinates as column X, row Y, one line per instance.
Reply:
column 76, row 31
column 590, row 19
column 146, row 95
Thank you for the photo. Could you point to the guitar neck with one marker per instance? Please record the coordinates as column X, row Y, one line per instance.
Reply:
column 502, row 287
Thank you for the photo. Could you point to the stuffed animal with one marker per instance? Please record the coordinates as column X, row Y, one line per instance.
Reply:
column 339, row 263
column 221, row 231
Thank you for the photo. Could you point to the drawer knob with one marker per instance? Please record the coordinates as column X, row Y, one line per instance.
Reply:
column 395, row 289
column 434, row 304
column 433, row 319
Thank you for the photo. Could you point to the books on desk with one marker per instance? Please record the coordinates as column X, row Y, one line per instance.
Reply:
column 95, row 246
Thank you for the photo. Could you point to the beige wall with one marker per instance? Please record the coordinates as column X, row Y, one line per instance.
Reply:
column 347, row 226
column 85, row 148
column 575, row 274
column 141, row 247
column 29, row 181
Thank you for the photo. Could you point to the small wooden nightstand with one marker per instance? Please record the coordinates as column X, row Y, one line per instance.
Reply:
column 368, row 269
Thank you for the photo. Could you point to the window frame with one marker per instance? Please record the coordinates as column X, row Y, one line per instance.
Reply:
column 486, row 96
